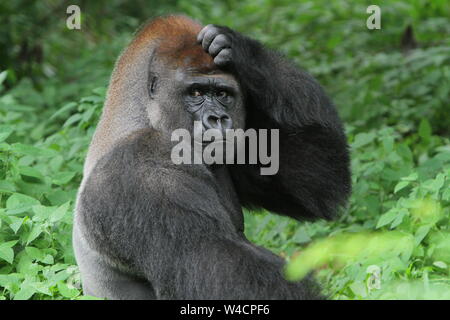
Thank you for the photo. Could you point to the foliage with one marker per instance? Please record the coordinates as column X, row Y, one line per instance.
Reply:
column 393, row 239
column 38, row 184
column 401, row 190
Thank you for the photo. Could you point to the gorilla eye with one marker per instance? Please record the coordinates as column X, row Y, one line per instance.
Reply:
column 196, row 93
column 222, row 94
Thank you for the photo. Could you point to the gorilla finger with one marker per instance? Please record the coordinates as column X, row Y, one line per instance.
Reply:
column 223, row 58
column 220, row 42
column 209, row 37
column 202, row 32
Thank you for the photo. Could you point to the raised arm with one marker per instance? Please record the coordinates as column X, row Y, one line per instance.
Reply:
column 314, row 175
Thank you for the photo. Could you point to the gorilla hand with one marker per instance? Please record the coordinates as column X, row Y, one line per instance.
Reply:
column 217, row 40
column 245, row 58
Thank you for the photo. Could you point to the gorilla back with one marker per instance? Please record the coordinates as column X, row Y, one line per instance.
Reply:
column 146, row 228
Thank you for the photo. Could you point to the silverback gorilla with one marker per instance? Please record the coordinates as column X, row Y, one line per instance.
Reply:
column 146, row 228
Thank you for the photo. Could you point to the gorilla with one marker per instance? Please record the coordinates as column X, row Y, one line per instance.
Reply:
column 146, row 228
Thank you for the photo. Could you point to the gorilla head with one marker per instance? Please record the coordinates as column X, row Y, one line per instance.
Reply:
column 182, row 94
column 183, row 85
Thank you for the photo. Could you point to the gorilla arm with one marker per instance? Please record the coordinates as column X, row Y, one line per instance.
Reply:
column 314, row 175
column 171, row 226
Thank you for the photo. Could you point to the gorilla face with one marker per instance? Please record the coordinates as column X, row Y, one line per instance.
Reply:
column 209, row 100
column 215, row 100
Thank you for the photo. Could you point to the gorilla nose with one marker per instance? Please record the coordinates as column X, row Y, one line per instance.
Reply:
column 215, row 121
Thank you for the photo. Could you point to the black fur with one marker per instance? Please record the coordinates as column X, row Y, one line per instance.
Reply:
column 178, row 229
column 172, row 226
column 314, row 176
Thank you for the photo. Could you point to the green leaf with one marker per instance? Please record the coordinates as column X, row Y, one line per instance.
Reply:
column 34, row 253
column 425, row 130
column 88, row 114
column 388, row 144
column 24, row 149
column 301, row 236
column 59, row 197
column 62, row 178
column 412, row 177
column 48, row 259
column 66, row 291
column 446, row 194
column 436, row 184
column 42, row 213
column 5, row 132
column 16, row 223
column 399, row 218
column 100, row 91
column 73, row 119
column 359, row 288
column 35, row 232
column 60, row 212
column 6, row 253
column 401, row 185
column 10, row 280
column 26, row 292
column 386, row 218
column 3, row 75
column 7, row 186
column 8, row 244
column 93, row 99
column 421, row 233
column 31, row 172
column 43, row 287
column 26, row 266
column 67, row 107
column 19, row 203
column 440, row 264
column 362, row 139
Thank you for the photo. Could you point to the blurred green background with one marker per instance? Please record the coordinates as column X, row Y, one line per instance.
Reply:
column 391, row 87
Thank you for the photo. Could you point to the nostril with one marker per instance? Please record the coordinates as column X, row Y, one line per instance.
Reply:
column 225, row 122
column 213, row 122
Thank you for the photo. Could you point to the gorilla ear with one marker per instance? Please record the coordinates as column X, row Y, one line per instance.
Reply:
column 152, row 84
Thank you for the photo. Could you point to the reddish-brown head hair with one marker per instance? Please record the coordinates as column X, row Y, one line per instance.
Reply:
column 176, row 42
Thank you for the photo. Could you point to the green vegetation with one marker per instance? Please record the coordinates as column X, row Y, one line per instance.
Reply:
column 391, row 242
